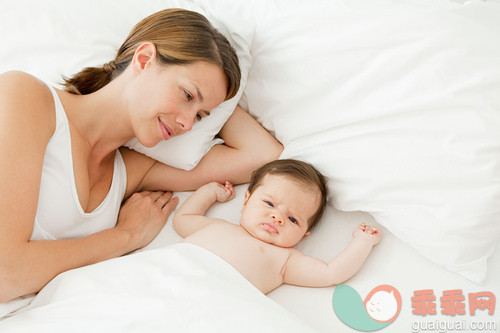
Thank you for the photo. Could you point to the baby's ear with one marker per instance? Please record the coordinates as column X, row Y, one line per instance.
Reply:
column 307, row 234
column 247, row 196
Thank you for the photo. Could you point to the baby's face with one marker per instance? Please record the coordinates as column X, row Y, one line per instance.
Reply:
column 278, row 210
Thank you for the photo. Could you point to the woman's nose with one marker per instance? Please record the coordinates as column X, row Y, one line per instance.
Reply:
column 277, row 218
column 186, row 120
column 185, row 124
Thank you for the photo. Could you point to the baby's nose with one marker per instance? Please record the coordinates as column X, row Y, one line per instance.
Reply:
column 278, row 219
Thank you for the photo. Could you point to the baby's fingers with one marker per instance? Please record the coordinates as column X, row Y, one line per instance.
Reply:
column 229, row 187
column 375, row 235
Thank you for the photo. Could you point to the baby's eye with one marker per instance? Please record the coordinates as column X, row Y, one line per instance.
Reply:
column 199, row 116
column 292, row 219
column 269, row 203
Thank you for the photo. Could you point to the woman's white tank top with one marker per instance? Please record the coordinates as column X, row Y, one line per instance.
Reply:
column 59, row 213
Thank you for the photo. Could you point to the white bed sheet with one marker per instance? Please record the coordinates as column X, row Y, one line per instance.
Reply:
column 391, row 262
column 178, row 288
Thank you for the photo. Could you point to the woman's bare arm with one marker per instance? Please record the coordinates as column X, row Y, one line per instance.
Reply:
column 27, row 121
column 247, row 146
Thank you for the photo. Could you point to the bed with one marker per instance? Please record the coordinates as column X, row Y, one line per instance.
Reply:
column 396, row 102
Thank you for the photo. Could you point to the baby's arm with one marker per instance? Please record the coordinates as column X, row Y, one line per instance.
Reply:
column 190, row 217
column 302, row 270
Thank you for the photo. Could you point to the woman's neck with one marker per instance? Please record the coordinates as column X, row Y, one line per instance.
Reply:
column 100, row 119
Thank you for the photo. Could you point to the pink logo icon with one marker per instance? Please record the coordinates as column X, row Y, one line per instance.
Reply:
column 383, row 303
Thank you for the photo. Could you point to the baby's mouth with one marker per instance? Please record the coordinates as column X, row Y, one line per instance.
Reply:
column 270, row 228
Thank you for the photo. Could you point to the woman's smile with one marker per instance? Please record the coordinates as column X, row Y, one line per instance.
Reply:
column 166, row 130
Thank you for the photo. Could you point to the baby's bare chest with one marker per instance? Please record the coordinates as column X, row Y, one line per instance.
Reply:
column 261, row 263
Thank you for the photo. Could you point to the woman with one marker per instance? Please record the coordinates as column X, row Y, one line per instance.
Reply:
column 64, row 172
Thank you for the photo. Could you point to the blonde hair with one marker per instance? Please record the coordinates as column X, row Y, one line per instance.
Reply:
column 300, row 171
column 180, row 37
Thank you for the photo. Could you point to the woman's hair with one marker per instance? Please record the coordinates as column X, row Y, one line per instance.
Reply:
column 180, row 36
column 299, row 171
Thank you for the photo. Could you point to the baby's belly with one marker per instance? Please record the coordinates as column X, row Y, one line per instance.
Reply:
column 260, row 264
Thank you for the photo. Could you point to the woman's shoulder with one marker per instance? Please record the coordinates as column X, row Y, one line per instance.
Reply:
column 17, row 83
column 24, row 97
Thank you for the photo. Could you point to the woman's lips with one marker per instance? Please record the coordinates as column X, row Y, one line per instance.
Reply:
column 270, row 228
column 165, row 130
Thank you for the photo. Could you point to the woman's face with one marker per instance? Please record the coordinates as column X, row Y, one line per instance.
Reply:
column 167, row 100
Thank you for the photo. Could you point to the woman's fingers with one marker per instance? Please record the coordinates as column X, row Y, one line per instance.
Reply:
column 170, row 205
column 165, row 201
column 159, row 198
column 162, row 198
column 155, row 195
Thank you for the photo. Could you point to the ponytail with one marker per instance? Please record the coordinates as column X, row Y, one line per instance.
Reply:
column 91, row 79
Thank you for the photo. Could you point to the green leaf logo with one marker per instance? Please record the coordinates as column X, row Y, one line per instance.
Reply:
column 380, row 307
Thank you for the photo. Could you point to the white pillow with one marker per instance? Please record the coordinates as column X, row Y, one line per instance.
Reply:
column 398, row 103
column 52, row 38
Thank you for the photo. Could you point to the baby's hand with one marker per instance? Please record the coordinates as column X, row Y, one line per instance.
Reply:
column 366, row 232
column 223, row 192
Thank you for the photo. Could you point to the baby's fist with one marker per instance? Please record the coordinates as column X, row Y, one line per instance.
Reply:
column 368, row 233
column 224, row 192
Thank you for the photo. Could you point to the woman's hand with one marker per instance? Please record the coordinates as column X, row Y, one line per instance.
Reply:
column 144, row 214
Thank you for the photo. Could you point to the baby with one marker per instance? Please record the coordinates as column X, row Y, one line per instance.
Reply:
column 285, row 199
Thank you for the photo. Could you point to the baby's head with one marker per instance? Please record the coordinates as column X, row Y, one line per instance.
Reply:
column 285, row 199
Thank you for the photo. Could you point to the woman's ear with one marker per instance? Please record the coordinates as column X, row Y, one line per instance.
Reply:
column 145, row 53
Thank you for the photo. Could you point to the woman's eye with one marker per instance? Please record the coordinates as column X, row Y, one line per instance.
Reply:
column 269, row 203
column 202, row 114
column 188, row 95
